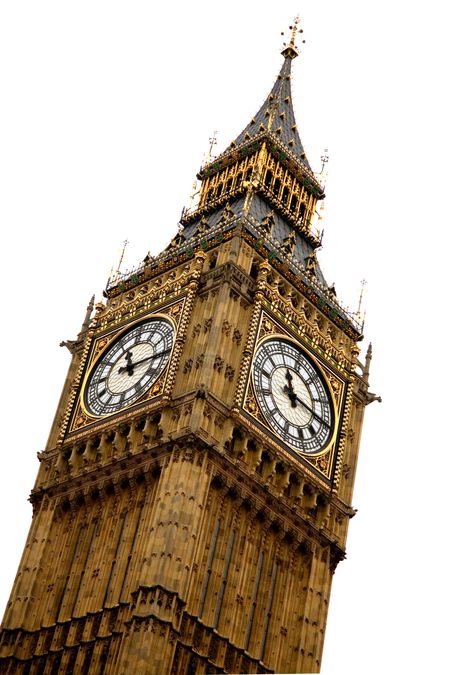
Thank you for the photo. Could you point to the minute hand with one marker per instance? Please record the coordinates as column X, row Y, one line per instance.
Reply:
column 305, row 405
column 147, row 358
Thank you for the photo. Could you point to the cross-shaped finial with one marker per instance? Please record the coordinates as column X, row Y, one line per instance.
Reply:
column 212, row 142
column 294, row 29
column 290, row 49
column 324, row 159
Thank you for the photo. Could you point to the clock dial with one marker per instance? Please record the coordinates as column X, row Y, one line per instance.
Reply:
column 293, row 396
column 129, row 367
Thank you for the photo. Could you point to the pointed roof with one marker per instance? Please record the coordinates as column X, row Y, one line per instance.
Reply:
column 275, row 123
column 276, row 114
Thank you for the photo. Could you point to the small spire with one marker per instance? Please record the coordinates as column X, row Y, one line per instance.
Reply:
column 369, row 396
column 125, row 244
column 194, row 193
column 212, row 143
column 89, row 310
column 322, row 178
column 74, row 345
column 367, row 363
column 361, row 294
column 324, row 159
column 311, row 263
column 115, row 273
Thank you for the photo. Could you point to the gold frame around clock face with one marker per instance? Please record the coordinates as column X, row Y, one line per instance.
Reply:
column 293, row 395
column 129, row 366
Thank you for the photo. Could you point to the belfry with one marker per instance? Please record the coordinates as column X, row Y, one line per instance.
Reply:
column 193, row 499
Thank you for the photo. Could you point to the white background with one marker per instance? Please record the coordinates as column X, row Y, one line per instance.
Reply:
column 106, row 111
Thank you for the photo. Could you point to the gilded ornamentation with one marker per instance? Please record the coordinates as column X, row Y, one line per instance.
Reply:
column 74, row 390
column 268, row 222
column 156, row 389
column 203, row 226
column 99, row 308
column 175, row 310
column 81, row 420
column 335, row 387
column 251, row 405
column 323, row 463
column 267, row 328
column 344, row 431
column 289, row 243
column 226, row 215
column 306, row 324
column 101, row 344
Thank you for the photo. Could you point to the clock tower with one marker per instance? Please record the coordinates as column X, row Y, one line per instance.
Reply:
column 194, row 497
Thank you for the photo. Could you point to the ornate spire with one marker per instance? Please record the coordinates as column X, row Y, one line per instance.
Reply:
column 87, row 317
column 266, row 162
column 368, row 359
column 276, row 114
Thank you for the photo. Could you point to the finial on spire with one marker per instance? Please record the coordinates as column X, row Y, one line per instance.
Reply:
column 125, row 244
column 361, row 293
column 194, row 193
column 290, row 50
column 324, row 159
column 114, row 273
column 212, row 143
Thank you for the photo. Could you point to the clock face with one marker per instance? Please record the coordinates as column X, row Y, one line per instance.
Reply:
column 129, row 367
column 293, row 396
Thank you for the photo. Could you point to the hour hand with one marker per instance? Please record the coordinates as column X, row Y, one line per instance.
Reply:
column 129, row 367
column 289, row 390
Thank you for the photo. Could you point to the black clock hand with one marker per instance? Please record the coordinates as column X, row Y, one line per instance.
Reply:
column 313, row 413
column 289, row 390
column 130, row 364
column 129, row 367
column 153, row 356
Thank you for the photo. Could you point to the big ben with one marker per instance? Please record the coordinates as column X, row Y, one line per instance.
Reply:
column 193, row 500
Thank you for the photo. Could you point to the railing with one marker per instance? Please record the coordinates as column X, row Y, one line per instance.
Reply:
column 275, row 252
column 166, row 255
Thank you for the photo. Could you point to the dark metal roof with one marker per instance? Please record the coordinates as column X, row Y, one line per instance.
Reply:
column 277, row 115
column 257, row 211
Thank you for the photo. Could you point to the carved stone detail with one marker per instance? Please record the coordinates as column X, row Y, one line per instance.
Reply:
column 226, row 327
column 237, row 336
